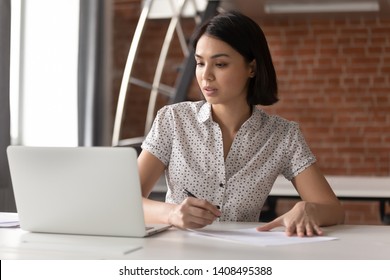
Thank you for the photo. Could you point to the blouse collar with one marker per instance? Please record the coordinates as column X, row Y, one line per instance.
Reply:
column 204, row 114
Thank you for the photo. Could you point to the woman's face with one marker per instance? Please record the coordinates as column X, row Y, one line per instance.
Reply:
column 222, row 72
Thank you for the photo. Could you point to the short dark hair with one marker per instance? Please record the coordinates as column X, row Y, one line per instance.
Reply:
column 246, row 37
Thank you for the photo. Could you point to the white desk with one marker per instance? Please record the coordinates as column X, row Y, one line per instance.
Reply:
column 354, row 243
column 356, row 187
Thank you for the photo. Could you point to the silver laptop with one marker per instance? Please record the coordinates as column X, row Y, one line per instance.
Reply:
column 79, row 190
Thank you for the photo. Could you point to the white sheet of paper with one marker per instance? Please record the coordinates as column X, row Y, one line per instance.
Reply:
column 8, row 219
column 251, row 236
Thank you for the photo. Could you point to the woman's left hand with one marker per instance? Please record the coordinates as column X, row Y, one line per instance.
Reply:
column 300, row 220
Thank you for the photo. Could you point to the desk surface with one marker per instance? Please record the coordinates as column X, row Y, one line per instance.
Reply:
column 354, row 243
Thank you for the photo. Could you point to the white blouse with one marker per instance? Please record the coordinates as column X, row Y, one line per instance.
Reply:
column 189, row 143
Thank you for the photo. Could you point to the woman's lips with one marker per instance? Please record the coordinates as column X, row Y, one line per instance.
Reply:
column 209, row 91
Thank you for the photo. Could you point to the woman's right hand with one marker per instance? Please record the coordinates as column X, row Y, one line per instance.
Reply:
column 193, row 213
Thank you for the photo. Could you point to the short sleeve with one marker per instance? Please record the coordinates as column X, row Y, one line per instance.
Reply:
column 159, row 140
column 298, row 154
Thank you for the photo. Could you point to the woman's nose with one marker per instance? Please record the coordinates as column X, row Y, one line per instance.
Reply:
column 207, row 73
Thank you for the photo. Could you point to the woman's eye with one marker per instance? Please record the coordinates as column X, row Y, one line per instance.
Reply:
column 221, row 65
column 199, row 64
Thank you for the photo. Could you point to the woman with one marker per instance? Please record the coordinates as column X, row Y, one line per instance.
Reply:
column 222, row 155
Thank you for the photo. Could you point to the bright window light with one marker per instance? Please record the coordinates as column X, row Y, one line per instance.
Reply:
column 44, row 88
column 14, row 70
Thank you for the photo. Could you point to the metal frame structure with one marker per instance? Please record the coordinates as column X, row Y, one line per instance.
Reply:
column 177, row 93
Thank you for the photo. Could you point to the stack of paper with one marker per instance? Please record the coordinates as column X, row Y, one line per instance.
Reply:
column 8, row 220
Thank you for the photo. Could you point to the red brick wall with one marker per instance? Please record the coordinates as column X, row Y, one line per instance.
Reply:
column 334, row 79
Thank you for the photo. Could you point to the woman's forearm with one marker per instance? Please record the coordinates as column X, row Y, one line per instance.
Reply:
column 157, row 212
column 329, row 214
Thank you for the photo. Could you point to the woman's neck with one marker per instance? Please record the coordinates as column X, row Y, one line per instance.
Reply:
column 231, row 118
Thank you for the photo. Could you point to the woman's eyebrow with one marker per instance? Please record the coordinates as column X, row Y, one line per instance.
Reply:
column 214, row 56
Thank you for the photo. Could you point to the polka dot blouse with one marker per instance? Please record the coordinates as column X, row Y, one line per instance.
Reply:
column 187, row 140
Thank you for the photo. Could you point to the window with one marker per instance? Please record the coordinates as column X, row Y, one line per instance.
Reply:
column 44, row 71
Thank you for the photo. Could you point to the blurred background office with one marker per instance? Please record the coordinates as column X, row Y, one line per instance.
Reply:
column 68, row 58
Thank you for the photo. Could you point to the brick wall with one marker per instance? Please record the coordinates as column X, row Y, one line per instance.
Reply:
column 334, row 79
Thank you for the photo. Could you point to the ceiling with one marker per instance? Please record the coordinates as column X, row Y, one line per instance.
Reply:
column 308, row 8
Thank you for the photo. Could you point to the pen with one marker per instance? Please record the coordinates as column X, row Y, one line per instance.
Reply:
column 190, row 194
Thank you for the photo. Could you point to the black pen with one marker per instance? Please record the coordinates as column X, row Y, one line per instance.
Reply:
column 190, row 194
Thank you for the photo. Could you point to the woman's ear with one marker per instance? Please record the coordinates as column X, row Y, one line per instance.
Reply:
column 252, row 68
